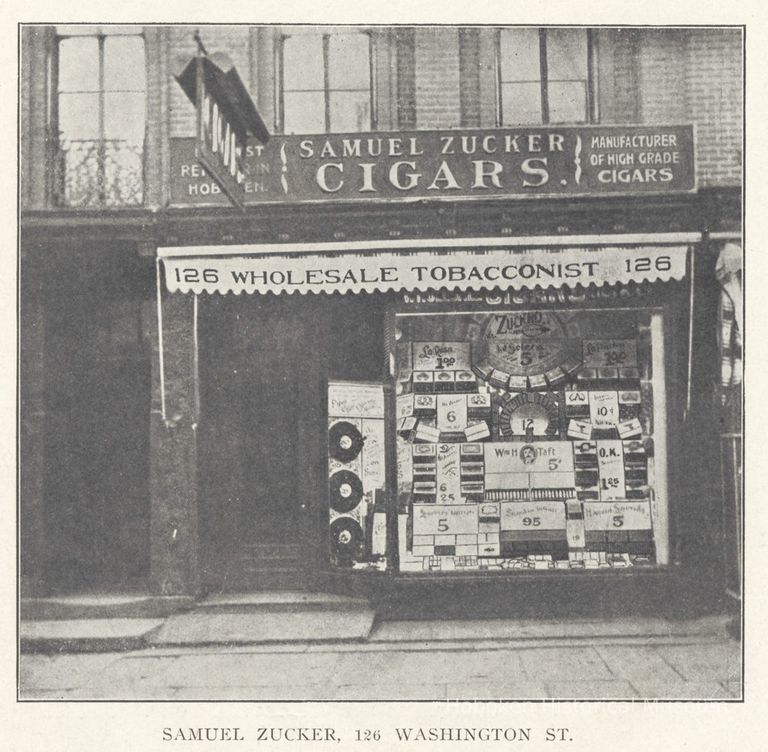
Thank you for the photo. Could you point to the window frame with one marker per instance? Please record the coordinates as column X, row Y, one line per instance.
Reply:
column 592, row 112
column 101, row 34
column 326, row 90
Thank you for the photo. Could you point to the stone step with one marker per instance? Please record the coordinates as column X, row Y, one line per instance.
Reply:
column 86, row 635
column 287, row 601
column 102, row 606
column 205, row 627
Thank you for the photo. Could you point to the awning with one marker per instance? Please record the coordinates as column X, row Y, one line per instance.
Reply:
column 483, row 265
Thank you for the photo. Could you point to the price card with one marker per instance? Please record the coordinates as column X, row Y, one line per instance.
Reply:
column 452, row 412
column 537, row 457
column 576, row 399
column 615, row 516
column 404, row 465
column 579, row 429
column 444, row 519
column 350, row 400
column 373, row 454
column 602, row 353
column 379, row 534
column 438, row 356
column 603, row 409
column 404, row 406
column 538, row 515
column 610, row 461
column 630, row 428
column 448, row 475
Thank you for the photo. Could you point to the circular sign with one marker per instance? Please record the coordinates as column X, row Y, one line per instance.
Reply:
column 346, row 490
column 529, row 413
column 346, row 538
column 344, row 441
column 524, row 343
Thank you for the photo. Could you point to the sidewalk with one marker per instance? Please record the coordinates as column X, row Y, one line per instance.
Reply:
column 412, row 661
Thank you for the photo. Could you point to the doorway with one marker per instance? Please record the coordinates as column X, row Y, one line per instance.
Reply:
column 264, row 363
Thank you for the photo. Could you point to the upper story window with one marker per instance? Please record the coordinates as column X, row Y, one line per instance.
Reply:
column 99, row 115
column 544, row 76
column 325, row 82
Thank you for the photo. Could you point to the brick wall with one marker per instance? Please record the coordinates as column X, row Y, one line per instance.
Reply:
column 662, row 73
column 617, row 75
column 715, row 102
column 694, row 75
column 437, row 78
column 406, row 78
column 235, row 41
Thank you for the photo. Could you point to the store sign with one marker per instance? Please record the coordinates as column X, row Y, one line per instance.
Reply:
column 600, row 160
column 525, row 343
column 226, row 115
column 381, row 272
column 221, row 145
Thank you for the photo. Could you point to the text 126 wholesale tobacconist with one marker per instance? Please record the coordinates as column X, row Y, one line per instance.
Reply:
column 506, row 411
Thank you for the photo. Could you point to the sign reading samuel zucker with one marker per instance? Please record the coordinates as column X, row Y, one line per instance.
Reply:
column 518, row 162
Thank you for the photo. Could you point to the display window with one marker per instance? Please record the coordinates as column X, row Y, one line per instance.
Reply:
column 531, row 440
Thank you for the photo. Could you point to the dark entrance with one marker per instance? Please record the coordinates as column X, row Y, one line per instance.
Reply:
column 97, row 387
column 264, row 361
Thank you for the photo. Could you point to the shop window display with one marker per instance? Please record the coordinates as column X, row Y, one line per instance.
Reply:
column 531, row 440
column 356, row 475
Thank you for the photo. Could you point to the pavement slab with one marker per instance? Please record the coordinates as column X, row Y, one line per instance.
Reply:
column 564, row 664
column 637, row 661
column 651, row 690
column 57, row 672
column 704, row 663
column 591, row 690
column 497, row 690
column 246, row 670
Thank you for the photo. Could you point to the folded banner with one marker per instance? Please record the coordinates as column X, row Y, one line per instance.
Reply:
column 425, row 270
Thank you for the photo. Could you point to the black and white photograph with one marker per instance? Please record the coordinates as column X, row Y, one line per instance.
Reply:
column 379, row 362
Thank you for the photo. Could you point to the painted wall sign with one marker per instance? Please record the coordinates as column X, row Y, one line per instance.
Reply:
column 477, row 163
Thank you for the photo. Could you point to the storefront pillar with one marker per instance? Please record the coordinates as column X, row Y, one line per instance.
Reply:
column 174, row 544
column 32, row 431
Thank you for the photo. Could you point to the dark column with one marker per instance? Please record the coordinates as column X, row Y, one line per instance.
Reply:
column 174, row 540
column 31, row 430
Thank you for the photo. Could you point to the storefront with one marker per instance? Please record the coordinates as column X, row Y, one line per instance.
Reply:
column 396, row 414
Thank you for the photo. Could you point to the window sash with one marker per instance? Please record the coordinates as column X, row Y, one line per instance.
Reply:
column 113, row 156
column 329, row 89
column 545, row 81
